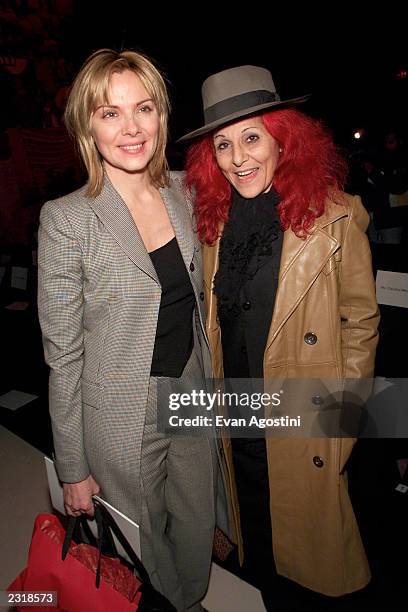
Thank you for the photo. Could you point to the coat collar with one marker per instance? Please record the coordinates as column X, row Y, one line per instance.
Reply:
column 336, row 208
column 115, row 216
column 301, row 262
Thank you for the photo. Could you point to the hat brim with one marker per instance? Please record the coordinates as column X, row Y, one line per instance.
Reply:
column 238, row 114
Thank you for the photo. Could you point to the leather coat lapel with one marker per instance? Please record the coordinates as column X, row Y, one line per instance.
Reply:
column 210, row 267
column 301, row 262
column 115, row 216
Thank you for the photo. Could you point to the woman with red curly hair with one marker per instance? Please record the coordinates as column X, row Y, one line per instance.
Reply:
column 290, row 294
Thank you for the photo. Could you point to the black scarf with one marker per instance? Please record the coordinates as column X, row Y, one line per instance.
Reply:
column 252, row 227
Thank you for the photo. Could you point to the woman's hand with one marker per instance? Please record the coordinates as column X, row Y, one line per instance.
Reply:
column 78, row 496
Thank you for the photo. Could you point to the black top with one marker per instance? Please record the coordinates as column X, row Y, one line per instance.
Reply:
column 174, row 333
column 247, row 281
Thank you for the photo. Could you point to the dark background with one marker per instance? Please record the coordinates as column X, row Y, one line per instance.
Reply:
column 349, row 63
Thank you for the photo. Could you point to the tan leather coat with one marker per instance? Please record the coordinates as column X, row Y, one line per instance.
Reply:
column 325, row 288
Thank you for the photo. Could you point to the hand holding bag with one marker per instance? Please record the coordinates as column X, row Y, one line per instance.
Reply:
column 86, row 577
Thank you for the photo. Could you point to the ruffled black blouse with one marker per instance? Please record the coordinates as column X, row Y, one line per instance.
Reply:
column 246, row 281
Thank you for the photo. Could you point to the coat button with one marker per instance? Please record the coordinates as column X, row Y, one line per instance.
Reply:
column 202, row 296
column 310, row 338
column 318, row 461
column 192, row 267
column 244, row 350
column 317, row 400
column 246, row 305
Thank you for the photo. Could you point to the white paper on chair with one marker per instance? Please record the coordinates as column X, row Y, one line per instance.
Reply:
column 228, row 593
column 392, row 288
column 13, row 400
column 128, row 527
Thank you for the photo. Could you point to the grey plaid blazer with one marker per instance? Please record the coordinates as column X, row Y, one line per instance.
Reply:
column 99, row 299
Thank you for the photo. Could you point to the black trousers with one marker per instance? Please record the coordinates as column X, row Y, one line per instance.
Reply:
column 251, row 474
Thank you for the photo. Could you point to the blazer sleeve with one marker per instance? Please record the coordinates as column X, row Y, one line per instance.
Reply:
column 358, row 305
column 60, row 308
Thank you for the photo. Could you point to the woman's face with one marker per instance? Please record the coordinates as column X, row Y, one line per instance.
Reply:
column 126, row 130
column 247, row 156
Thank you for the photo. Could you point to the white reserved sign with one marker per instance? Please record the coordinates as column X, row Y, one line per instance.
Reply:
column 392, row 288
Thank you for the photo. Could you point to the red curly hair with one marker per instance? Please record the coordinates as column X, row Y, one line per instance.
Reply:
column 310, row 167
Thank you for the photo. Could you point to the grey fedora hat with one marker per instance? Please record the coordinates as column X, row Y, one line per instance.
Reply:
column 235, row 93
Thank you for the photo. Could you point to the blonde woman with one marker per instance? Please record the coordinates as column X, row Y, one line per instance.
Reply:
column 120, row 279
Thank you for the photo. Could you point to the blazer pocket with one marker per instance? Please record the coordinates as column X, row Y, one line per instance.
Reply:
column 91, row 394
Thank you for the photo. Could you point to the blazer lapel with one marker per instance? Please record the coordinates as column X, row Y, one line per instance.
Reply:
column 190, row 247
column 301, row 262
column 180, row 218
column 115, row 216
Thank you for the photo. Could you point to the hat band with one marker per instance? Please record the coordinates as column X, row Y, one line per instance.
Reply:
column 227, row 107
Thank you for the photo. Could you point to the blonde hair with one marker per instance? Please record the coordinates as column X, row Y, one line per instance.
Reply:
column 90, row 89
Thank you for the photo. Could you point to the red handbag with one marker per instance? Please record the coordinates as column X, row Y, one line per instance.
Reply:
column 85, row 579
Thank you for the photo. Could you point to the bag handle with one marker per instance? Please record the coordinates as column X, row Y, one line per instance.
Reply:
column 106, row 523
column 78, row 528
column 72, row 521
column 152, row 600
column 106, row 526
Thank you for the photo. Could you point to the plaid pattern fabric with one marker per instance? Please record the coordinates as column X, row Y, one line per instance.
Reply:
column 178, row 481
column 98, row 302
